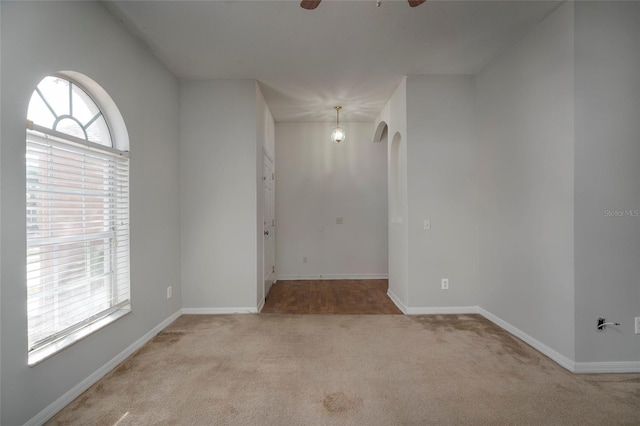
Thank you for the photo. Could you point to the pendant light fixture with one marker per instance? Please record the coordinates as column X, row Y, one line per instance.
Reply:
column 337, row 133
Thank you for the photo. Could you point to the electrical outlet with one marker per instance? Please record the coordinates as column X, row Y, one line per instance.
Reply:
column 601, row 326
column 445, row 284
column 427, row 224
column 169, row 292
column 637, row 325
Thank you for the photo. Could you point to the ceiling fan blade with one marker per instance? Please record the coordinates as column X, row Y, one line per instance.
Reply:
column 309, row 4
column 414, row 3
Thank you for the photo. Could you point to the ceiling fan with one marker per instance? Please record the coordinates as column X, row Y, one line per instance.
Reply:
column 312, row 4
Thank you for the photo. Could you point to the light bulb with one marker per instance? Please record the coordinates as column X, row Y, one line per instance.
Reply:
column 337, row 134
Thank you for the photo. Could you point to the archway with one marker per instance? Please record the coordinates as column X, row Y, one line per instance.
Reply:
column 395, row 193
column 381, row 134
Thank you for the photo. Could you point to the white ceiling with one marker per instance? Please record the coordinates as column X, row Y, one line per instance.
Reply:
column 348, row 53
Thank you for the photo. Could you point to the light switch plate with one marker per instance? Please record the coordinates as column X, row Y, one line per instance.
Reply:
column 427, row 224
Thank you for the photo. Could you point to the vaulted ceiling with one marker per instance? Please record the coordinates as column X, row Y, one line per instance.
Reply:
column 349, row 53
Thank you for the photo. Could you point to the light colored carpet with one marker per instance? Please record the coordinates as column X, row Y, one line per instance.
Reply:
column 347, row 370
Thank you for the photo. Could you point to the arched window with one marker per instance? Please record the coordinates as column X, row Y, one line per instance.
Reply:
column 395, row 187
column 60, row 105
column 77, row 218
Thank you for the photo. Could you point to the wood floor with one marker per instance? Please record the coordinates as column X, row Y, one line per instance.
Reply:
column 330, row 297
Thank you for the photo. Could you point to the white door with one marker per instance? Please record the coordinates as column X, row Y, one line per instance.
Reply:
column 269, row 227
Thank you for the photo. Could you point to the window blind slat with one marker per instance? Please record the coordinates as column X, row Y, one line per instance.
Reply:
column 98, row 297
column 63, row 333
column 47, row 137
column 37, row 242
column 44, row 170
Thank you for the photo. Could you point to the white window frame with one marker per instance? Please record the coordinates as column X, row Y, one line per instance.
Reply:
column 115, row 261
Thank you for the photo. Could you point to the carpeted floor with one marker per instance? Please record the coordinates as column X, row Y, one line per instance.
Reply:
column 347, row 370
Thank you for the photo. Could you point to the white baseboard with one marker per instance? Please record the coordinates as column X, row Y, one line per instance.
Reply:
column 397, row 301
column 446, row 310
column 606, row 367
column 219, row 311
column 434, row 310
column 563, row 361
column 261, row 305
column 296, row 277
column 546, row 350
column 72, row 394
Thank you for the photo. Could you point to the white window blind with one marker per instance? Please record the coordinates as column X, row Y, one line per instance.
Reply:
column 77, row 237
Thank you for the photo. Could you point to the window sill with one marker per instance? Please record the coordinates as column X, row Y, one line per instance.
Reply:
column 38, row 355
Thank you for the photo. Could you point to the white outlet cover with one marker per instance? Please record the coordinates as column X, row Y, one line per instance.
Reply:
column 637, row 325
column 427, row 224
column 445, row 283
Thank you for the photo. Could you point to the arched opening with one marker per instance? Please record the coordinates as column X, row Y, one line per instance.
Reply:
column 381, row 133
column 395, row 193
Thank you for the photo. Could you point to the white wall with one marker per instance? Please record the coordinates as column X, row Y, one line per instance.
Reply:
column 218, row 194
column 525, row 143
column 39, row 39
column 266, row 127
column 607, row 177
column 319, row 181
column 442, row 187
